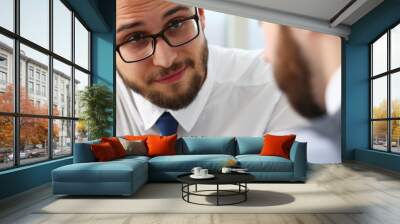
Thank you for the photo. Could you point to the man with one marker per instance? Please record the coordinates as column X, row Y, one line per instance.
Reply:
column 167, row 72
column 307, row 68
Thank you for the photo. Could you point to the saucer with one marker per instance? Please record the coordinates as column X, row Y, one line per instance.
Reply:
column 208, row 176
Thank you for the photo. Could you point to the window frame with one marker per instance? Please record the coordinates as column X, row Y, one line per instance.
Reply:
column 388, row 74
column 16, row 115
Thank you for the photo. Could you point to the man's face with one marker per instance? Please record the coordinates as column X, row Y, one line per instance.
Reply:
column 173, row 76
column 291, row 70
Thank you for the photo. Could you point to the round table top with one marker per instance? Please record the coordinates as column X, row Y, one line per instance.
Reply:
column 220, row 178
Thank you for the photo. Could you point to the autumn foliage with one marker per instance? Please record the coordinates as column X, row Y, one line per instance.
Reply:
column 380, row 127
column 33, row 131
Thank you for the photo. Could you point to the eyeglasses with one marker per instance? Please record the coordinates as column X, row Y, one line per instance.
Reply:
column 178, row 33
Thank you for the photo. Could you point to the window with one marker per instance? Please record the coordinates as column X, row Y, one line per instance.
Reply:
column 38, row 89
column 81, row 45
column 44, row 91
column 54, row 126
column 7, row 14
column 3, row 72
column 30, row 72
column 385, row 94
column 3, row 61
column 3, row 78
column 30, row 88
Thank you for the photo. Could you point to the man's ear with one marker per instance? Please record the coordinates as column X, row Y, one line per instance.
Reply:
column 202, row 17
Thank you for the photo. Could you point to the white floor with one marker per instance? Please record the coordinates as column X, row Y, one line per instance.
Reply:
column 377, row 189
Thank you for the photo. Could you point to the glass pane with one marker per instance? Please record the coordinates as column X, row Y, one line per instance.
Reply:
column 395, row 94
column 395, row 47
column 6, row 142
column 395, row 136
column 62, row 89
column 6, row 74
column 379, row 135
column 33, row 139
column 62, row 29
column 34, row 97
column 81, row 45
column 379, row 98
column 35, row 21
column 81, row 131
column 81, row 81
column 7, row 14
column 379, row 55
column 62, row 138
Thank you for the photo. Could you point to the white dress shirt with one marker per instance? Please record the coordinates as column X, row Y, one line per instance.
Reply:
column 238, row 98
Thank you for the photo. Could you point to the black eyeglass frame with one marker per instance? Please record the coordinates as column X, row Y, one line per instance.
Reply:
column 161, row 34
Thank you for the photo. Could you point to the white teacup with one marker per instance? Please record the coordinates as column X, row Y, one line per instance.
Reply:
column 203, row 172
column 196, row 170
column 226, row 170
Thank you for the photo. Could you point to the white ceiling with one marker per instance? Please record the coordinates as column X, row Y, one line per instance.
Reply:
column 326, row 16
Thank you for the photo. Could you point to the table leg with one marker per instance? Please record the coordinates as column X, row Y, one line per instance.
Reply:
column 217, row 194
column 196, row 188
column 245, row 191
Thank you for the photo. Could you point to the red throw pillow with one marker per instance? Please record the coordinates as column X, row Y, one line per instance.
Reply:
column 103, row 152
column 116, row 145
column 277, row 145
column 161, row 145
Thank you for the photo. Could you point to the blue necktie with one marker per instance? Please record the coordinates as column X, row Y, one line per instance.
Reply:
column 167, row 124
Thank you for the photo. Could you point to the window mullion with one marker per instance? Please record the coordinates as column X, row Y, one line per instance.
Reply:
column 73, row 83
column 16, row 83
column 50, row 82
column 389, row 106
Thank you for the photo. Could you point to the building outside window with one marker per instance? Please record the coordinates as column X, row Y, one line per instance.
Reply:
column 30, row 87
column 385, row 91
column 56, row 134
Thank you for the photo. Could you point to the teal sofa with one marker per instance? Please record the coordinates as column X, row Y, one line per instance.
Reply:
column 125, row 176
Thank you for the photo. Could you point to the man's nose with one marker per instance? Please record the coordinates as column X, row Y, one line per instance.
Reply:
column 164, row 55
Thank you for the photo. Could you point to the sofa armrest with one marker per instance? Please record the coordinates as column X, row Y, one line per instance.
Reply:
column 83, row 152
column 298, row 155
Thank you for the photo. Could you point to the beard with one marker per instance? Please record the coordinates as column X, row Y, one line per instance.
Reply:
column 293, row 76
column 175, row 98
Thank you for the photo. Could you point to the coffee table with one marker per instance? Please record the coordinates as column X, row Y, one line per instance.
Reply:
column 238, row 179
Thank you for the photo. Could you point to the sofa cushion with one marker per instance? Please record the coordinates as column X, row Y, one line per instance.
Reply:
column 161, row 145
column 257, row 163
column 103, row 152
column 134, row 147
column 275, row 145
column 249, row 145
column 206, row 145
column 185, row 163
column 116, row 145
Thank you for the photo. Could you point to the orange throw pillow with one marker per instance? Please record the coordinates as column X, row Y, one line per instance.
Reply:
column 277, row 145
column 161, row 145
column 116, row 145
column 103, row 151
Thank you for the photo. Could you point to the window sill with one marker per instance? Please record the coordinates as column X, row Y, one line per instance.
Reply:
column 26, row 167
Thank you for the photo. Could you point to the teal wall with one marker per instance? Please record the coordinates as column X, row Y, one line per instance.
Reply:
column 24, row 178
column 355, row 62
column 99, row 16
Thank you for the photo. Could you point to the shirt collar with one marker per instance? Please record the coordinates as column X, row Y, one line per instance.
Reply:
column 186, row 117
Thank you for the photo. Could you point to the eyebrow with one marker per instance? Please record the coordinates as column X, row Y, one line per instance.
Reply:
column 129, row 26
column 167, row 14
column 174, row 10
